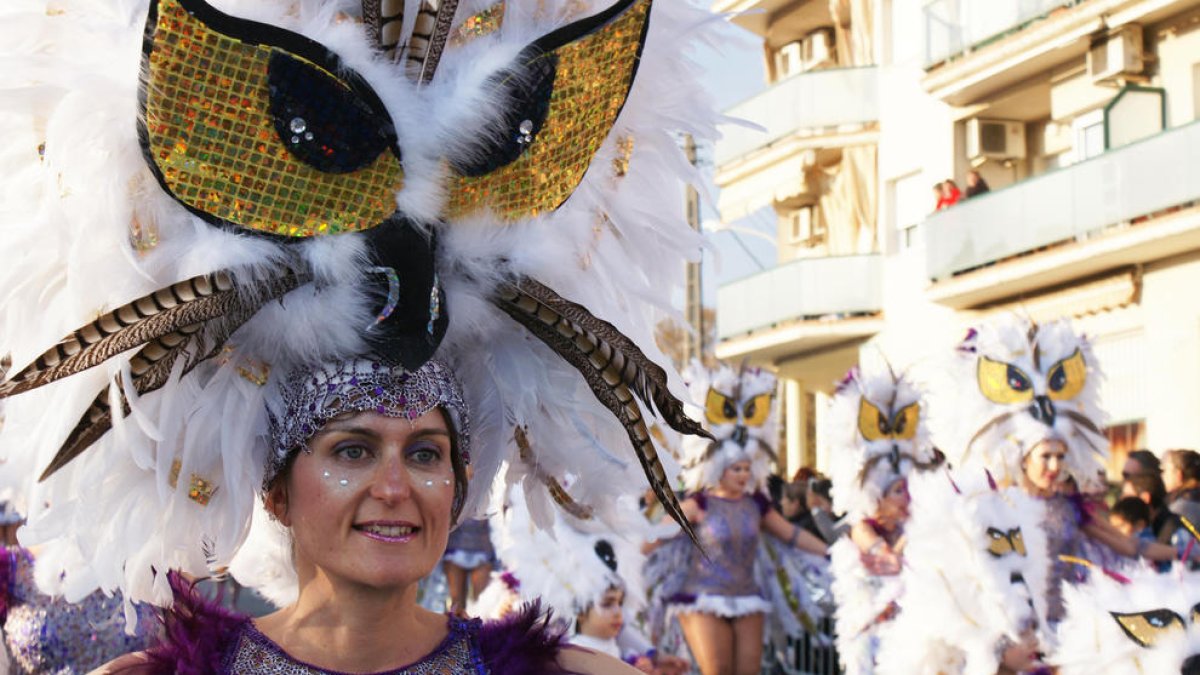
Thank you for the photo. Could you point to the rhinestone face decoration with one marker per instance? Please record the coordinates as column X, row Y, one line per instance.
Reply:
column 254, row 136
column 591, row 78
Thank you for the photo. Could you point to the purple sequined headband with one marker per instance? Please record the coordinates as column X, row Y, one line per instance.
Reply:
column 311, row 397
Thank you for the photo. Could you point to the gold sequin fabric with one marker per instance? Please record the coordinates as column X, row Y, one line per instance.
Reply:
column 211, row 136
column 478, row 25
column 458, row 654
column 593, row 77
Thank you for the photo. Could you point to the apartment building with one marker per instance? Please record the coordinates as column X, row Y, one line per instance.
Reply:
column 1081, row 115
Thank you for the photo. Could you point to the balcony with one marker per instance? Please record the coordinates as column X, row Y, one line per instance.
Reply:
column 816, row 100
column 956, row 26
column 1127, row 206
column 799, row 306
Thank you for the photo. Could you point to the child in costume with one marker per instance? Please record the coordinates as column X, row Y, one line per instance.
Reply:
column 724, row 595
column 250, row 217
column 880, row 439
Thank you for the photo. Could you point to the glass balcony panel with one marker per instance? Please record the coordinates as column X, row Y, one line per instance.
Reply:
column 953, row 26
column 812, row 100
column 801, row 289
column 1075, row 201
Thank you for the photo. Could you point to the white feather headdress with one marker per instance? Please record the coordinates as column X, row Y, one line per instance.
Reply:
column 531, row 194
column 740, row 411
column 1013, row 383
column 879, row 435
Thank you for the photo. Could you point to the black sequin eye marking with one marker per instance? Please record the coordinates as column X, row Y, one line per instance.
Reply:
column 525, row 98
column 1017, row 380
column 607, row 555
column 321, row 121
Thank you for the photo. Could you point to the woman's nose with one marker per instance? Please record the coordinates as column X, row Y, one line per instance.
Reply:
column 392, row 482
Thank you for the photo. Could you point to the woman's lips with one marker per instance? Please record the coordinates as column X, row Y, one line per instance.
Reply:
column 391, row 532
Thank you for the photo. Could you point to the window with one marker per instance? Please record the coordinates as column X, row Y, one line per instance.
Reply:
column 910, row 203
column 1089, row 135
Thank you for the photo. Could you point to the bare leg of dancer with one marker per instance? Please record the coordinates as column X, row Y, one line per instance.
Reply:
column 710, row 638
column 479, row 580
column 748, row 644
column 456, row 580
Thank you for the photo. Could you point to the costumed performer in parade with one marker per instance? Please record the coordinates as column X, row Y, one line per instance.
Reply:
column 256, row 224
column 468, row 562
column 723, row 592
column 1022, row 402
column 879, row 439
column 586, row 572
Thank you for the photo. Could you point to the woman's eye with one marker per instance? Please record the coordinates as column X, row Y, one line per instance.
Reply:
column 425, row 454
column 352, row 452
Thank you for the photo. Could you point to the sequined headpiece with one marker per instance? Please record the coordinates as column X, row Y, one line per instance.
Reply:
column 311, row 397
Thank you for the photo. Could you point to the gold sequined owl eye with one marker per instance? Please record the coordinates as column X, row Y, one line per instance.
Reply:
column 1003, row 383
column 562, row 99
column 252, row 126
column 1147, row 628
column 873, row 424
column 719, row 408
column 756, row 411
column 1067, row 377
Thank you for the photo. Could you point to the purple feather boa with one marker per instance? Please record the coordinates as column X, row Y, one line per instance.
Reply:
column 198, row 632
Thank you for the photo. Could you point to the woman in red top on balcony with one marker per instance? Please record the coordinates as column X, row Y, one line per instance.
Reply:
column 950, row 194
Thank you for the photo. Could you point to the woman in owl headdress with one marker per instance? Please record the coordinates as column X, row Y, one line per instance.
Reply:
column 879, row 439
column 256, row 223
column 1021, row 399
column 723, row 592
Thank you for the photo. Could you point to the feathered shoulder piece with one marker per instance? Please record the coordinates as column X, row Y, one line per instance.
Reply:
column 740, row 412
column 201, row 196
column 1138, row 621
column 880, row 434
column 1013, row 383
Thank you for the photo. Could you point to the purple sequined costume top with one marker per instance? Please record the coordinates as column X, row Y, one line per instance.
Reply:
column 203, row 638
column 729, row 535
column 51, row 635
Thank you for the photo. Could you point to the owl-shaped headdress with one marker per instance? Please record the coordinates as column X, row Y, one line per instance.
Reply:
column 740, row 413
column 571, row 564
column 1139, row 621
column 1013, row 383
column 879, row 435
column 203, row 196
column 975, row 574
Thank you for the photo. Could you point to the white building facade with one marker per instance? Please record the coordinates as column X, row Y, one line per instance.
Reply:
column 1081, row 115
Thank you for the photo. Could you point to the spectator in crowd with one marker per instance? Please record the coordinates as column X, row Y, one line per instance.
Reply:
column 792, row 505
column 937, row 196
column 1131, row 517
column 976, row 185
column 820, row 508
column 1181, row 478
column 1142, row 478
column 949, row 195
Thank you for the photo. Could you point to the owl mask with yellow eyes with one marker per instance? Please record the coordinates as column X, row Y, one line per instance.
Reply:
column 1138, row 621
column 203, row 195
column 740, row 413
column 878, row 436
column 1012, row 384
column 975, row 574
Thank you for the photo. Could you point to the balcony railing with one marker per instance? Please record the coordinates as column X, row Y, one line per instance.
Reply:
column 810, row 288
column 954, row 26
column 812, row 100
column 1135, row 180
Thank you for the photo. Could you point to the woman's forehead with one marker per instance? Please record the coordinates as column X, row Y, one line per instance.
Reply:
column 368, row 420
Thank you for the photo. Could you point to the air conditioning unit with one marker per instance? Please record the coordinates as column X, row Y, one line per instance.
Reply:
column 1117, row 56
column 995, row 139
column 789, row 60
column 821, row 49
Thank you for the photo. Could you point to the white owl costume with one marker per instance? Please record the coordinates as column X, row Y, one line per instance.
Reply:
column 974, row 577
column 204, row 195
column 878, row 437
column 1144, row 623
column 1012, row 384
column 757, row 573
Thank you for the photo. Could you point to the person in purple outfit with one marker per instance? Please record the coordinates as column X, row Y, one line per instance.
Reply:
column 368, row 474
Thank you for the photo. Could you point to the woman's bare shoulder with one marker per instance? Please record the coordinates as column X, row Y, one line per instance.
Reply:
column 587, row 662
column 137, row 663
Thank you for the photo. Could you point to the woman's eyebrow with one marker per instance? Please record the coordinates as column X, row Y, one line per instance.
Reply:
column 422, row 433
column 348, row 428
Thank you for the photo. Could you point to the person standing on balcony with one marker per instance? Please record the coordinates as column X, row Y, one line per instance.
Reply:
column 976, row 185
column 949, row 194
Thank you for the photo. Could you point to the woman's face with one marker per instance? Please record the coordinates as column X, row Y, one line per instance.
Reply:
column 893, row 506
column 736, row 477
column 370, row 502
column 1172, row 477
column 604, row 619
column 1044, row 464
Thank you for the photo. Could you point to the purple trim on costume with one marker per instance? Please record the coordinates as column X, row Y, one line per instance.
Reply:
column 526, row 641
column 196, row 632
column 763, row 502
column 682, row 599
column 1078, row 503
column 510, row 581
column 8, row 563
column 701, row 500
column 847, row 379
